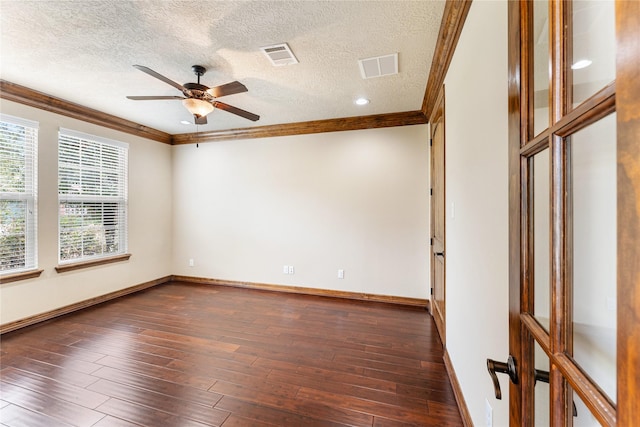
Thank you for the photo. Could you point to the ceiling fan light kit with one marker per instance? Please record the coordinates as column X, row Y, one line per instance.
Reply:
column 199, row 99
column 197, row 107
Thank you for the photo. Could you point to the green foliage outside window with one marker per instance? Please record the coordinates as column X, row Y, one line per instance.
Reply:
column 16, row 193
column 88, row 229
column 12, row 234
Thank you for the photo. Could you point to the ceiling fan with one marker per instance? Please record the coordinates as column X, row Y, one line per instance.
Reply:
column 199, row 99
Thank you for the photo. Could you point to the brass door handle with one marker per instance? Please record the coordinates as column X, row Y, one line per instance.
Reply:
column 508, row 368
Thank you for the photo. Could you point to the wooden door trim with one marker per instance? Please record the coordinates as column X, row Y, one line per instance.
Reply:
column 453, row 17
column 604, row 410
column 438, row 108
column 628, row 223
column 438, row 115
column 515, row 112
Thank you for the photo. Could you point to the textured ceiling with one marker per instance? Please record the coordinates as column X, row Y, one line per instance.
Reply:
column 83, row 52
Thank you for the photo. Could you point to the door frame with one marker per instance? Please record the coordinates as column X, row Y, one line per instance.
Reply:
column 437, row 116
column 623, row 96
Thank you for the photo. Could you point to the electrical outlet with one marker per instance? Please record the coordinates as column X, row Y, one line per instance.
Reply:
column 488, row 413
column 285, row 269
column 292, row 270
column 191, row 262
column 341, row 274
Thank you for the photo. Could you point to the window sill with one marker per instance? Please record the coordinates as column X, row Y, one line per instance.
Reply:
column 23, row 275
column 92, row 263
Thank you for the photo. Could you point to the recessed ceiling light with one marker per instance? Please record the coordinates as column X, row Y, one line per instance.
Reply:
column 582, row 63
column 185, row 122
column 362, row 101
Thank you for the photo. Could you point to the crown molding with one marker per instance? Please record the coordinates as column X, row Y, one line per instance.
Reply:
column 453, row 17
column 24, row 95
column 302, row 128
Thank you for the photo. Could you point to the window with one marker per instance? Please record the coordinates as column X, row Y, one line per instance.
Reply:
column 18, row 201
column 92, row 194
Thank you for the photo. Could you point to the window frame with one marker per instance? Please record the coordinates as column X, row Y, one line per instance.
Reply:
column 87, row 196
column 30, row 195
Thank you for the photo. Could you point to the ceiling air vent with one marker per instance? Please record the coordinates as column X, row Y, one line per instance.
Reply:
column 279, row 54
column 379, row 66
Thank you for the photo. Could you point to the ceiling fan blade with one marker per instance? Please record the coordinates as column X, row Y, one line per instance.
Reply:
column 199, row 120
column 152, row 98
column 227, row 89
column 159, row 77
column 237, row 111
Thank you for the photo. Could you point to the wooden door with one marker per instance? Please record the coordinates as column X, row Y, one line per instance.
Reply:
column 438, row 216
column 574, row 150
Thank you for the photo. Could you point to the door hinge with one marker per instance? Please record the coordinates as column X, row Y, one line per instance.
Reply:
column 431, row 191
column 431, row 290
column 431, row 142
column 431, row 242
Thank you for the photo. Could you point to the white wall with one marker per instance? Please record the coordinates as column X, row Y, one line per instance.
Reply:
column 150, row 214
column 477, row 182
column 355, row 200
column 352, row 200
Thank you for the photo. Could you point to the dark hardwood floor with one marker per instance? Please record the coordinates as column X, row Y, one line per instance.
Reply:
column 197, row 355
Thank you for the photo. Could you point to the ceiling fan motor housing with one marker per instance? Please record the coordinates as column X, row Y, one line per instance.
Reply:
column 197, row 90
column 195, row 86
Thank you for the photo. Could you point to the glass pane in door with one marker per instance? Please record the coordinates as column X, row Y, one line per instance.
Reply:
column 541, row 65
column 541, row 238
column 594, row 47
column 582, row 417
column 593, row 196
column 541, row 402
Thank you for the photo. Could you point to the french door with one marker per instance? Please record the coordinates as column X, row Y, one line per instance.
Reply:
column 574, row 136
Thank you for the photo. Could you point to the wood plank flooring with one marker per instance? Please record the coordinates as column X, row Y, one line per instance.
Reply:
column 194, row 355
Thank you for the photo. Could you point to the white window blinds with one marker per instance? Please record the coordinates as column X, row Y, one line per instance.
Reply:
column 18, row 194
column 92, row 192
